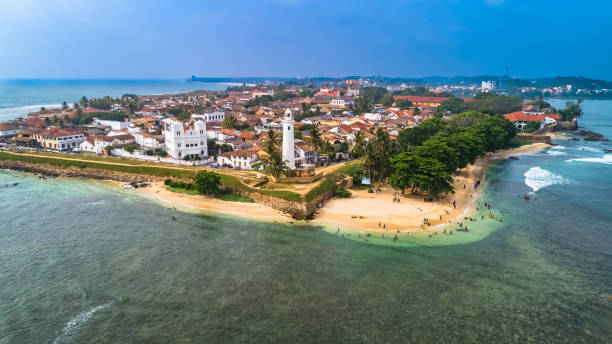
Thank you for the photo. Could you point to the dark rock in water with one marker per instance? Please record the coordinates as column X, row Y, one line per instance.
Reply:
column 591, row 135
column 575, row 139
column 607, row 150
column 513, row 158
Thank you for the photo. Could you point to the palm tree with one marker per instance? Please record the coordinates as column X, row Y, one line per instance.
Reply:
column 64, row 105
column 369, row 159
column 84, row 102
column 359, row 145
column 271, row 142
column 273, row 164
column 315, row 138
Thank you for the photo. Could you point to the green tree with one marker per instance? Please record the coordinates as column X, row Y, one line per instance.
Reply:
column 358, row 146
column 64, row 105
column 376, row 94
column 415, row 136
column 229, row 122
column 363, row 104
column 271, row 142
column 452, row 104
column 419, row 173
column 315, row 138
column 572, row 111
column 531, row 126
column 207, row 183
column 403, row 104
column 273, row 164
column 387, row 100
column 84, row 102
column 435, row 148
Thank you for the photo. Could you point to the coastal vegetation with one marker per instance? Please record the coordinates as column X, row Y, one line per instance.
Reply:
column 424, row 157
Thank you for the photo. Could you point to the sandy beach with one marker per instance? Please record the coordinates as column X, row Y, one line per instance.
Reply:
column 254, row 211
column 363, row 211
column 376, row 212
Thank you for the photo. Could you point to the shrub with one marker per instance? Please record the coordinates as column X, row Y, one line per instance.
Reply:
column 370, row 191
column 320, row 189
column 130, row 147
column 343, row 193
column 207, row 182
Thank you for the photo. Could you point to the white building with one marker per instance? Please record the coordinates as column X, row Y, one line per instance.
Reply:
column 352, row 91
column 288, row 145
column 217, row 116
column 372, row 116
column 148, row 140
column 487, row 86
column 342, row 101
column 185, row 141
column 114, row 125
column 97, row 144
column 238, row 159
column 9, row 129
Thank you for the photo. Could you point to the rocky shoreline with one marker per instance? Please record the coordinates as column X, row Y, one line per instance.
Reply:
column 73, row 171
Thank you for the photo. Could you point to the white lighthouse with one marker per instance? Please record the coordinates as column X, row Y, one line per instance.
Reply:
column 288, row 147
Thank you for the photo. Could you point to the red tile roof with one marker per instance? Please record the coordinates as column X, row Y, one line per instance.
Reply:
column 58, row 132
column 523, row 117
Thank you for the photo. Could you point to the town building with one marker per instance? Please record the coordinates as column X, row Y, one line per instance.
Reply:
column 148, row 140
column 60, row 139
column 9, row 129
column 216, row 116
column 185, row 141
column 114, row 125
column 242, row 159
column 520, row 118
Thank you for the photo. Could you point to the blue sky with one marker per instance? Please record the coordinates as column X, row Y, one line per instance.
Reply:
column 412, row 38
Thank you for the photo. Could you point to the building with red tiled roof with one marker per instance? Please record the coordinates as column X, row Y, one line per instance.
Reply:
column 520, row 118
column 420, row 101
column 60, row 139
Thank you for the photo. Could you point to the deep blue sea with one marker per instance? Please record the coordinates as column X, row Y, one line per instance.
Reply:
column 18, row 97
column 81, row 262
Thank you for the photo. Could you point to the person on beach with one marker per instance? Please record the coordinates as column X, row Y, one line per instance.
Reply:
column 454, row 204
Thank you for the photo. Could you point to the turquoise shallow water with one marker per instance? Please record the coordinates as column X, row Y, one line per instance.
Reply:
column 84, row 263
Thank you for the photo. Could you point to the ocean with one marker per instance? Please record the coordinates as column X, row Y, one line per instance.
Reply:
column 81, row 262
column 18, row 97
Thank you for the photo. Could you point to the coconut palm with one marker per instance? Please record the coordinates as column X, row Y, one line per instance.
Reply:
column 359, row 145
column 271, row 142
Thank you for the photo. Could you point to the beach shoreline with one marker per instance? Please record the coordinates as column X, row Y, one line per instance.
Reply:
column 406, row 216
column 377, row 213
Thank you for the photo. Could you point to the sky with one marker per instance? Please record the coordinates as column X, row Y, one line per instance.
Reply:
column 288, row 38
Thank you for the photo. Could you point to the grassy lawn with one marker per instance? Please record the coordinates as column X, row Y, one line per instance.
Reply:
column 146, row 170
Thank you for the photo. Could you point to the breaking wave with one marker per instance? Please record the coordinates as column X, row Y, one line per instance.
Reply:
column 555, row 152
column 606, row 159
column 537, row 178
column 77, row 322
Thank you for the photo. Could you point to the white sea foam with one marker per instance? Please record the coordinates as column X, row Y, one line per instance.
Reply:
column 537, row 178
column 558, row 147
column 77, row 322
column 555, row 153
column 606, row 159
